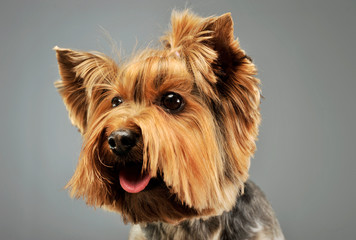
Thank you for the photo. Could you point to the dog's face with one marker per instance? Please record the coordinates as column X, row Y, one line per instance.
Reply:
column 169, row 134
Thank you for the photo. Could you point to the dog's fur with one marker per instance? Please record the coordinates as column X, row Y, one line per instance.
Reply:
column 197, row 156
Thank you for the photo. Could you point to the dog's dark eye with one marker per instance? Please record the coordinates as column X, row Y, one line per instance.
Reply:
column 172, row 102
column 116, row 101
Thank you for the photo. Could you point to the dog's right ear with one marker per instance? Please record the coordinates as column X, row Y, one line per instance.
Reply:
column 84, row 76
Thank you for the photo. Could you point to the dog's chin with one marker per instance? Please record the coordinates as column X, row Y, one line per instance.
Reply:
column 140, row 198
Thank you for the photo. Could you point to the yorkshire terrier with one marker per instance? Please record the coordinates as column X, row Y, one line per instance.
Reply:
column 168, row 135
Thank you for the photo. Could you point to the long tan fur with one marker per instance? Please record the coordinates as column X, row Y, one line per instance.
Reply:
column 200, row 60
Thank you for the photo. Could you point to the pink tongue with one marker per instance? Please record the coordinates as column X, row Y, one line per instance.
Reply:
column 131, row 179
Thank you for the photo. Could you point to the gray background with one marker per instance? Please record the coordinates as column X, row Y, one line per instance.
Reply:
column 305, row 51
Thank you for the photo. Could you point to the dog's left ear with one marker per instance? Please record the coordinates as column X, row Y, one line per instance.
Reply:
column 229, row 54
column 84, row 77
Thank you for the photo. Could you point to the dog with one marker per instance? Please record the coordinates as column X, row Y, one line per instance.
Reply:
column 168, row 135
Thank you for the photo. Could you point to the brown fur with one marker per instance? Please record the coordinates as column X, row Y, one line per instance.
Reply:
column 198, row 158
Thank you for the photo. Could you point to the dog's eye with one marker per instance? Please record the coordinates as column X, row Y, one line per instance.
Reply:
column 116, row 101
column 172, row 102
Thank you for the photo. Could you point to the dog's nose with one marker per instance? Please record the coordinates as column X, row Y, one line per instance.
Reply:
column 122, row 141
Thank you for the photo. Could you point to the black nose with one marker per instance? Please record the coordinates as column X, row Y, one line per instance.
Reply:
column 122, row 141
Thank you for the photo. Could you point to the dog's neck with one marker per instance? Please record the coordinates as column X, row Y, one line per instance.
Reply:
column 251, row 218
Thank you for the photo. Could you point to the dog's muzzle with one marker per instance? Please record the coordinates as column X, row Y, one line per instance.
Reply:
column 132, row 178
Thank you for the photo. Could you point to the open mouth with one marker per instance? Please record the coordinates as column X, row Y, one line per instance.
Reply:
column 133, row 179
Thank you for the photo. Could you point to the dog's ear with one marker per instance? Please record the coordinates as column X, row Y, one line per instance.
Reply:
column 84, row 76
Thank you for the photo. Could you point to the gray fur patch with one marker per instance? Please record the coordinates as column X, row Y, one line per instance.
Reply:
column 251, row 218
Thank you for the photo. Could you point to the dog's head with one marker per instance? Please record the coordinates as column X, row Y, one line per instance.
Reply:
column 169, row 134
